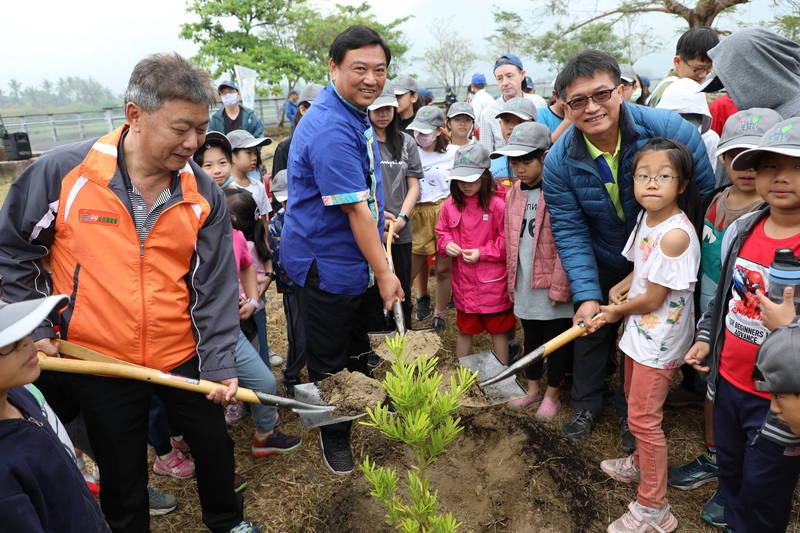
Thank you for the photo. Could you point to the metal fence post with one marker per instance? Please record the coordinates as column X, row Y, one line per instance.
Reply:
column 109, row 120
column 53, row 128
column 80, row 126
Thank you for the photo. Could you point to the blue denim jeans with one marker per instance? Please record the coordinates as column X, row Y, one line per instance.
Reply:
column 256, row 375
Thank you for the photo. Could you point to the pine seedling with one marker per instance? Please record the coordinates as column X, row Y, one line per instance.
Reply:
column 424, row 421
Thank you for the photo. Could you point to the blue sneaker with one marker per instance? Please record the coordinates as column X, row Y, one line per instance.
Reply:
column 713, row 511
column 246, row 527
column 692, row 475
column 160, row 503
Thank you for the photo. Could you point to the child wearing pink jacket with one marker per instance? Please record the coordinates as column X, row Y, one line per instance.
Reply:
column 537, row 283
column 470, row 230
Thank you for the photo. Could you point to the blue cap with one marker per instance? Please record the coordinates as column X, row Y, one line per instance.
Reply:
column 508, row 59
column 227, row 83
column 478, row 79
column 427, row 93
column 529, row 82
column 645, row 81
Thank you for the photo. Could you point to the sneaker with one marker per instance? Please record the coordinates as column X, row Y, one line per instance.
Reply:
column 520, row 404
column 160, row 503
column 276, row 442
column 239, row 483
column 246, row 527
column 692, row 475
column 180, row 445
column 683, row 397
column 624, row 469
column 627, row 440
column 579, row 425
column 233, row 413
column 548, row 409
column 423, row 307
column 275, row 359
column 713, row 511
column 641, row 519
column 174, row 464
column 438, row 324
column 336, row 451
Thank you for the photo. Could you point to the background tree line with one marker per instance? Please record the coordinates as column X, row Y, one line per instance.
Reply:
column 72, row 93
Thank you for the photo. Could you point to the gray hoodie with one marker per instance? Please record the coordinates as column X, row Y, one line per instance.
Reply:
column 760, row 69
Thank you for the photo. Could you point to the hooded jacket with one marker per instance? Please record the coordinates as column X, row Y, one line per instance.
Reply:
column 67, row 228
column 588, row 233
column 760, row 69
column 250, row 121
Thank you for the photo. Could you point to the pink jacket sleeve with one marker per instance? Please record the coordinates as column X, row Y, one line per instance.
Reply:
column 495, row 249
column 443, row 234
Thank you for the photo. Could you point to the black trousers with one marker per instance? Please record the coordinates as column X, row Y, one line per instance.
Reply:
column 537, row 332
column 296, row 353
column 591, row 355
column 116, row 415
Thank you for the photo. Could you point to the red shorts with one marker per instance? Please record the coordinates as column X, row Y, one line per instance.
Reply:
column 476, row 323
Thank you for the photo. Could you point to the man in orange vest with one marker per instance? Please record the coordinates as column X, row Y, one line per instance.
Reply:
column 139, row 237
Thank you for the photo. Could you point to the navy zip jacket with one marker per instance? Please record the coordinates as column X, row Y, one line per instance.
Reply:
column 588, row 233
column 41, row 489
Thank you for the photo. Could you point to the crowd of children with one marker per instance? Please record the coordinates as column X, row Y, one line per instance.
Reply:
column 695, row 294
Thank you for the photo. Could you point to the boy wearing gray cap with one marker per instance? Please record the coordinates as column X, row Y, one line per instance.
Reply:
column 513, row 112
column 537, row 283
column 754, row 473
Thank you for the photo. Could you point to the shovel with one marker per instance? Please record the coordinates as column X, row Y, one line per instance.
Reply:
column 93, row 362
column 540, row 353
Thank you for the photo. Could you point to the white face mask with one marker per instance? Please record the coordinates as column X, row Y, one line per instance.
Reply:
column 424, row 139
column 636, row 95
column 230, row 99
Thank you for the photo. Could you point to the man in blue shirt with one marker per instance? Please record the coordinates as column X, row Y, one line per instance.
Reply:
column 334, row 220
column 290, row 108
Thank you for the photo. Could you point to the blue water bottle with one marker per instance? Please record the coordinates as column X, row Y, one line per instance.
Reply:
column 784, row 272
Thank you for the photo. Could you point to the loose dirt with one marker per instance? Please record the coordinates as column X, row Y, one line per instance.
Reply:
column 351, row 392
column 417, row 343
column 448, row 366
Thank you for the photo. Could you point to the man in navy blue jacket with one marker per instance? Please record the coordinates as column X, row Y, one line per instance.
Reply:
column 588, row 189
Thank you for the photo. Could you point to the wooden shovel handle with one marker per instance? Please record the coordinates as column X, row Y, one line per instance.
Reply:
column 140, row 373
column 568, row 336
column 389, row 238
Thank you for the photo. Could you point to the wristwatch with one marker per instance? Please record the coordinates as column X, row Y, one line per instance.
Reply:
column 271, row 275
column 402, row 215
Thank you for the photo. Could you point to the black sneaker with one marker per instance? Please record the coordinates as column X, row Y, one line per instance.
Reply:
column 423, row 307
column 579, row 425
column 692, row 475
column 336, row 451
column 438, row 324
column 160, row 503
column 713, row 511
column 627, row 440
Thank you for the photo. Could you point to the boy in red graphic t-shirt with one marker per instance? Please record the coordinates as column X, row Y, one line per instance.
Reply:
column 757, row 455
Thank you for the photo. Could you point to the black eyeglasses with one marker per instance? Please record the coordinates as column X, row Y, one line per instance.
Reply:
column 582, row 101
column 661, row 179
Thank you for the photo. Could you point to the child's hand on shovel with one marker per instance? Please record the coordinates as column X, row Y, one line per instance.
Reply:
column 225, row 396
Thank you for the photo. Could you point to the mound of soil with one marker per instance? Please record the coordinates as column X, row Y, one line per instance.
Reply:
column 417, row 343
column 351, row 392
column 504, row 472
column 448, row 366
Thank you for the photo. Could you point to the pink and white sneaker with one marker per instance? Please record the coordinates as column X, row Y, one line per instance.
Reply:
column 547, row 409
column 641, row 519
column 624, row 469
column 175, row 464
column 179, row 444
column 234, row 413
column 525, row 402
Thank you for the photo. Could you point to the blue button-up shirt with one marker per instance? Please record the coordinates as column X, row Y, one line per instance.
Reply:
column 333, row 160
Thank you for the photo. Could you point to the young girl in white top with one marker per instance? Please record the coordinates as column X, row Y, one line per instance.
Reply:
column 657, row 302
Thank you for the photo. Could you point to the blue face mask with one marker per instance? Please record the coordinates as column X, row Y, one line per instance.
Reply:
column 230, row 99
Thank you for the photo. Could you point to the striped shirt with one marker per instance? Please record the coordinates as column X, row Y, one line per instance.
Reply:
column 143, row 218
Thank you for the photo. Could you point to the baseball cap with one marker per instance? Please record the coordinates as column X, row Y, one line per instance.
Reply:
column 244, row 139
column 529, row 83
column 711, row 84
column 645, row 80
column 745, row 129
column 215, row 137
column 471, row 160
column 778, row 359
column 387, row 98
column 627, row 73
column 524, row 139
column 508, row 59
column 20, row 319
column 428, row 118
column 519, row 106
column 279, row 186
column 227, row 83
column 404, row 85
column 478, row 79
column 782, row 138
column 309, row 93
column 461, row 108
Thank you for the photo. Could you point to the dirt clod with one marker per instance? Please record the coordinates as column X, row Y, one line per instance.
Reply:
column 351, row 392
column 417, row 343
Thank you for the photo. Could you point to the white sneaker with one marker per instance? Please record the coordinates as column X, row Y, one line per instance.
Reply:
column 275, row 359
column 641, row 519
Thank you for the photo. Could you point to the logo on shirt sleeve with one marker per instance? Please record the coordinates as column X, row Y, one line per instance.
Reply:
column 93, row 216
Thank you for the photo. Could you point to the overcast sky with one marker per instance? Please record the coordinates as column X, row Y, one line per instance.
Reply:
column 48, row 39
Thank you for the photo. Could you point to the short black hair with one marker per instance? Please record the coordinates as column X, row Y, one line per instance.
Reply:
column 695, row 44
column 530, row 156
column 584, row 65
column 355, row 37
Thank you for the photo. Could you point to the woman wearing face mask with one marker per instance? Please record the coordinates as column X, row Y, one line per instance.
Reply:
column 436, row 155
column 234, row 116
column 401, row 171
